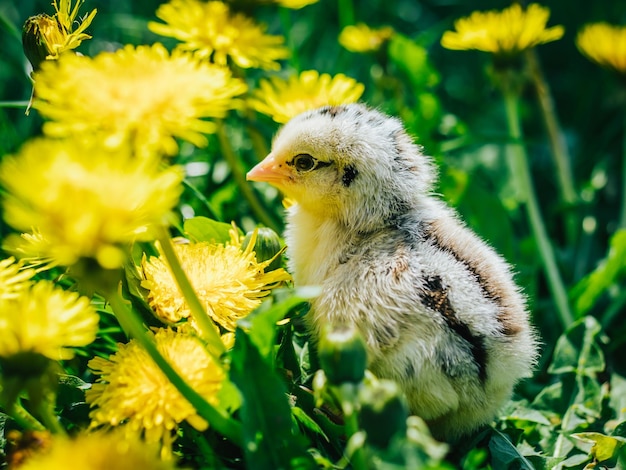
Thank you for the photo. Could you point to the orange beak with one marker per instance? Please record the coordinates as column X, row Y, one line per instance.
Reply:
column 269, row 171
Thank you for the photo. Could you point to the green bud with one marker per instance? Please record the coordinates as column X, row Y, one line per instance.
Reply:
column 383, row 412
column 39, row 33
column 266, row 246
column 342, row 355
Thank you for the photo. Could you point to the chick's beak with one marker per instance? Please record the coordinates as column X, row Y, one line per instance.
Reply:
column 269, row 171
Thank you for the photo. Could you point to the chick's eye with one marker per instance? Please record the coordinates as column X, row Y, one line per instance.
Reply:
column 304, row 162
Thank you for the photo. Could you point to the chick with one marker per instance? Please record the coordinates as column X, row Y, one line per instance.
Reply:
column 437, row 307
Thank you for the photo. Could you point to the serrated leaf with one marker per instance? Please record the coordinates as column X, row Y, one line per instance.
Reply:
column 203, row 229
column 578, row 349
column 504, row 454
column 604, row 447
column 587, row 291
column 265, row 412
column 617, row 399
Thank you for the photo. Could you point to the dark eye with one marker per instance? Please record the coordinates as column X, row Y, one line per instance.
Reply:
column 304, row 162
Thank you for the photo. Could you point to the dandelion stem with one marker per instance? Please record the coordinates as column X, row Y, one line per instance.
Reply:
column 134, row 328
column 46, row 411
column 286, row 23
column 346, row 13
column 240, row 179
column 24, row 418
column 560, row 152
column 622, row 218
column 208, row 331
column 521, row 171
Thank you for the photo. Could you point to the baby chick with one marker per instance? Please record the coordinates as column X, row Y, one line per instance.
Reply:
column 437, row 307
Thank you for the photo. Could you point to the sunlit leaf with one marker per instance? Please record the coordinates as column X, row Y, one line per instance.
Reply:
column 604, row 447
column 203, row 229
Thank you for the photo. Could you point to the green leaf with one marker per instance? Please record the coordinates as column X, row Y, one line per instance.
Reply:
column 412, row 59
column 587, row 291
column 265, row 413
column 203, row 229
column 617, row 399
column 604, row 447
column 578, row 349
column 504, row 455
column 261, row 324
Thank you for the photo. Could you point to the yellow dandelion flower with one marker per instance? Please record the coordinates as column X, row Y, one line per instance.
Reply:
column 283, row 99
column 212, row 31
column 229, row 281
column 295, row 4
column 86, row 202
column 362, row 38
column 604, row 44
column 14, row 278
column 46, row 37
column 507, row 32
column 133, row 391
column 143, row 95
column 47, row 321
column 97, row 451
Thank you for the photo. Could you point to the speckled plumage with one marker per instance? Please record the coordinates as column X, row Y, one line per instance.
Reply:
column 437, row 306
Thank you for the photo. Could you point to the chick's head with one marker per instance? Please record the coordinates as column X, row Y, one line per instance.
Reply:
column 350, row 163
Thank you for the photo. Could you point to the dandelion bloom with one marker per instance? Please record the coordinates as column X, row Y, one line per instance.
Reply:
column 229, row 281
column 362, row 38
column 97, row 451
column 46, row 37
column 47, row 321
column 212, row 31
column 295, row 4
column 143, row 95
column 85, row 202
column 283, row 99
column 13, row 278
column 132, row 390
column 604, row 44
column 507, row 32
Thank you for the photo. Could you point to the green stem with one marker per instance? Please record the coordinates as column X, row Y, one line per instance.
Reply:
column 622, row 217
column 346, row 13
column 135, row 329
column 14, row 104
column 348, row 398
column 286, row 23
column 206, row 327
column 560, row 153
column 46, row 411
column 23, row 418
column 240, row 178
column 521, row 171
column 200, row 197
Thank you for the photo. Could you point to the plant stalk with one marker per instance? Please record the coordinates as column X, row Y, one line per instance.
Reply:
column 240, row 178
column 521, row 170
column 206, row 327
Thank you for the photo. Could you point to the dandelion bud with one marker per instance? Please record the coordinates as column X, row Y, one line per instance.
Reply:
column 383, row 412
column 342, row 355
column 39, row 33
column 266, row 246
